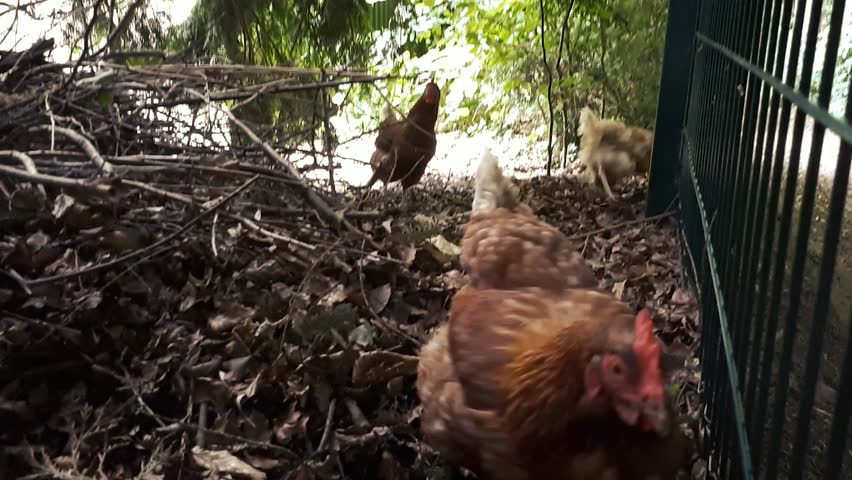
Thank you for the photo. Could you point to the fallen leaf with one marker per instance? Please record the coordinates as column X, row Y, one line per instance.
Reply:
column 378, row 297
column 46, row 256
column 603, row 219
column 91, row 302
column 404, row 253
column 303, row 472
column 334, row 297
column 264, row 463
column 236, row 231
column 223, row 462
column 293, row 426
column 379, row 367
column 189, row 298
column 124, row 239
column 150, row 476
column 37, row 241
column 638, row 271
column 453, row 279
column 235, row 369
column 425, row 219
column 445, row 246
column 618, row 289
column 62, row 203
column 681, row 297
column 229, row 316
column 362, row 335
column 342, row 318
column 373, row 437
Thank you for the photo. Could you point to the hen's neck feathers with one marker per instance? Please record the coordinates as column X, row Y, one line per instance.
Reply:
column 545, row 380
column 424, row 114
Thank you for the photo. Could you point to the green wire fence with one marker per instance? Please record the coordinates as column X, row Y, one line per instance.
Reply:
column 747, row 140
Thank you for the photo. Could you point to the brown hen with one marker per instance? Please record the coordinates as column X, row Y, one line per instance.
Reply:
column 405, row 146
column 538, row 375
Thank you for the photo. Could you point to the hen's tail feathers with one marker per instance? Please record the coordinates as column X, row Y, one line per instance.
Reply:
column 493, row 190
column 587, row 119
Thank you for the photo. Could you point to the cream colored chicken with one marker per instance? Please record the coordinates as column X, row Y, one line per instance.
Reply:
column 612, row 151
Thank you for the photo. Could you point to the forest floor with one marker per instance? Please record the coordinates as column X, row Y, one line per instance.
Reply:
column 179, row 304
column 231, row 351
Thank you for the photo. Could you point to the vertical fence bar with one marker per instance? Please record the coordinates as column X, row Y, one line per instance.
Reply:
column 687, row 197
column 742, row 159
column 762, row 174
column 729, row 12
column 742, row 30
column 759, row 178
column 734, row 157
column 761, row 411
column 707, row 102
column 744, row 456
column 750, row 44
column 749, row 158
column 709, row 204
column 708, row 156
column 832, row 237
column 840, row 426
column 754, row 216
column 671, row 104
column 792, row 315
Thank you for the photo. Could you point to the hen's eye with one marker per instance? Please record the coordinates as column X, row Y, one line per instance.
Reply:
column 614, row 366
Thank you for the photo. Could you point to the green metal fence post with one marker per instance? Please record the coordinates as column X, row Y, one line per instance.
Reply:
column 671, row 105
column 753, row 202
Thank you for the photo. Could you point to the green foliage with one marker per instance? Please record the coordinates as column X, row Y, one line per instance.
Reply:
column 485, row 54
column 610, row 58
column 143, row 27
column 305, row 33
column 308, row 33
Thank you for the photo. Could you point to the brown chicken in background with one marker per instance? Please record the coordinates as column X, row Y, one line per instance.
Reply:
column 405, row 146
column 538, row 375
column 612, row 151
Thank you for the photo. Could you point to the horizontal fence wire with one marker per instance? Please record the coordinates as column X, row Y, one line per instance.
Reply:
column 766, row 227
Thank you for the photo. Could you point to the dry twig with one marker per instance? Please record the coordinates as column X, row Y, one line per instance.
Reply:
column 144, row 251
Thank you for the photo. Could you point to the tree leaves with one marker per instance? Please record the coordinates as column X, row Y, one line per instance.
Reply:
column 604, row 40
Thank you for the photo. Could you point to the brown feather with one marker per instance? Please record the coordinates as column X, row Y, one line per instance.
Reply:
column 506, row 246
column 503, row 385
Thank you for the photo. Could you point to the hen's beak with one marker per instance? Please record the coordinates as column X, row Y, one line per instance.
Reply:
column 627, row 411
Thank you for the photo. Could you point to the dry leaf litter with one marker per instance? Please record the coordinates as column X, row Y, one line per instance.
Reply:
column 170, row 311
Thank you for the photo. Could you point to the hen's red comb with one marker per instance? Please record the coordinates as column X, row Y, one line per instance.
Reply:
column 647, row 349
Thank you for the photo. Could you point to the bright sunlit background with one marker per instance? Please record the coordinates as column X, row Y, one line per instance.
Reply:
column 455, row 63
column 457, row 152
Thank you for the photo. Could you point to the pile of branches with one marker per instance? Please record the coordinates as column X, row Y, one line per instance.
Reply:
column 170, row 305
